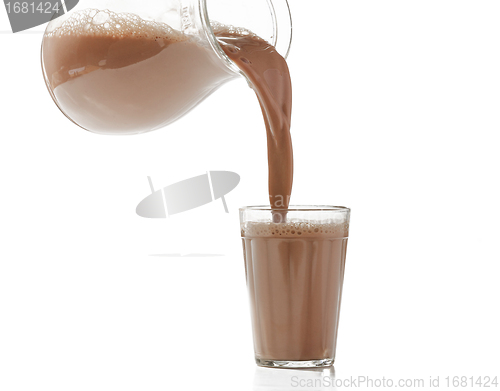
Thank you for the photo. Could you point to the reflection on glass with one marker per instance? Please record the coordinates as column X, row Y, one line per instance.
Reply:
column 314, row 379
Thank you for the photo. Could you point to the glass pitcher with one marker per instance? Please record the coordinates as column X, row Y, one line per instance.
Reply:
column 130, row 66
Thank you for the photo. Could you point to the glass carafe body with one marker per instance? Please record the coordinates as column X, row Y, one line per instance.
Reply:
column 128, row 67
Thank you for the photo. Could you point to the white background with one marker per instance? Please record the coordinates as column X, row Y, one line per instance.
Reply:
column 396, row 115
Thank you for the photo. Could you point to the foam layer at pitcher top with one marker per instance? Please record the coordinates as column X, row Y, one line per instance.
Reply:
column 295, row 229
column 93, row 22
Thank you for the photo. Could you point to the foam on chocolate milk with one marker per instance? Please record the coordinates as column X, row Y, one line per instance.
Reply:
column 295, row 229
column 94, row 22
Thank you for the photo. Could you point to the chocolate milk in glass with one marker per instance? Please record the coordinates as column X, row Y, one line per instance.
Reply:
column 294, row 273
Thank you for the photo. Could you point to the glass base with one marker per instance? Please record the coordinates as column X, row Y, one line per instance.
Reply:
column 326, row 362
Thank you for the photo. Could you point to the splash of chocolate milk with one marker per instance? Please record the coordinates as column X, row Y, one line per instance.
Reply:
column 268, row 74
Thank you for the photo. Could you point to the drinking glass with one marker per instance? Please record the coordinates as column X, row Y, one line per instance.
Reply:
column 295, row 272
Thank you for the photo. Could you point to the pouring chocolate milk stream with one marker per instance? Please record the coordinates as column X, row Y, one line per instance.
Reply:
column 268, row 74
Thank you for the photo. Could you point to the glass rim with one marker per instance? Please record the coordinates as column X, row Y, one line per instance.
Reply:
column 297, row 208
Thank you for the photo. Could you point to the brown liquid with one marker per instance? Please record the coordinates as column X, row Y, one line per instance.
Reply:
column 138, row 78
column 268, row 74
column 295, row 282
